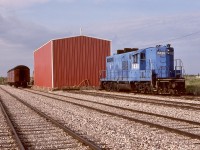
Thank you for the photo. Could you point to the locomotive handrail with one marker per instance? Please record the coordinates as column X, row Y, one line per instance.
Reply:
column 178, row 67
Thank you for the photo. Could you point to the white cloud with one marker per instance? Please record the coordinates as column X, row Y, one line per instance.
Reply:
column 19, row 3
column 18, row 40
column 152, row 31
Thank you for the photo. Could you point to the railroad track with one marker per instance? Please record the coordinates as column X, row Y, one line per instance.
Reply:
column 8, row 136
column 36, row 130
column 180, row 126
column 175, row 104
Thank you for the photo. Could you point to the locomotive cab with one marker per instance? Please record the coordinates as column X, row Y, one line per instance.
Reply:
column 169, row 72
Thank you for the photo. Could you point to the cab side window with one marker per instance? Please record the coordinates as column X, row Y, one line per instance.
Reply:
column 135, row 58
column 142, row 56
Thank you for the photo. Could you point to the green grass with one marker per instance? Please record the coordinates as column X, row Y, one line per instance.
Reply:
column 2, row 80
column 192, row 85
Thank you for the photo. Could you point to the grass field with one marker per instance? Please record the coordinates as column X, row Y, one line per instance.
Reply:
column 193, row 85
column 2, row 80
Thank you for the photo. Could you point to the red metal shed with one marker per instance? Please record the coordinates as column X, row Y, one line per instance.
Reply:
column 71, row 61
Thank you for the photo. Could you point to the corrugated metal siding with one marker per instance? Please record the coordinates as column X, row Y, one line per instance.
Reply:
column 77, row 59
column 43, row 66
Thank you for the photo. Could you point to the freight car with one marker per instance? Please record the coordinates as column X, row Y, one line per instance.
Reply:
column 149, row 70
column 19, row 76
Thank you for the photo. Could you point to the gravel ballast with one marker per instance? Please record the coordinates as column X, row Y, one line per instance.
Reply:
column 114, row 132
column 37, row 132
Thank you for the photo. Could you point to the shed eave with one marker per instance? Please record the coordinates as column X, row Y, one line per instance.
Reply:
column 42, row 46
column 79, row 36
column 70, row 37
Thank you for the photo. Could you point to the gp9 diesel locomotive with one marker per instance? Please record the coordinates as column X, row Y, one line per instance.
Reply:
column 149, row 70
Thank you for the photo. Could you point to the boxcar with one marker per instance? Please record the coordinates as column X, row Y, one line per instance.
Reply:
column 19, row 76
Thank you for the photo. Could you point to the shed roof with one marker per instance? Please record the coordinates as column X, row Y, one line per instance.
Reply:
column 71, row 37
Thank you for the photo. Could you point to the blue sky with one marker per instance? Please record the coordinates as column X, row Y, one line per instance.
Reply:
column 27, row 24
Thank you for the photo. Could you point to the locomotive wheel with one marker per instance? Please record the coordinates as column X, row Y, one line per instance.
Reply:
column 154, row 92
column 111, row 86
column 16, row 85
column 159, row 91
column 115, row 86
column 171, row 92
column 24, row 86
column 165, row 91
column 108, row 86
column 103, row 85
column 137, row 87
column 148, row 89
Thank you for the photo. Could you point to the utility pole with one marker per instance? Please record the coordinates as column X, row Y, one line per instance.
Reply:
column 81, row 30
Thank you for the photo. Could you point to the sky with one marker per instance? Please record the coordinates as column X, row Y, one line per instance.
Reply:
column 25, row 25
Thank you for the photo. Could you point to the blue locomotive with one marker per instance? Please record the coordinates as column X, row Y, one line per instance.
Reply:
column 149, row 70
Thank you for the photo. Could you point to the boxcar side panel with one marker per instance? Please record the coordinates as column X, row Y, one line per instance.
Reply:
column 16, row 76
column 11, row 76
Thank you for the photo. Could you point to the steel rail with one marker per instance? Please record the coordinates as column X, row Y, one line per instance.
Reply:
column 184, row 105
column 91, row 144
column 18, row 141
column 123, row 108
column 191, row 135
